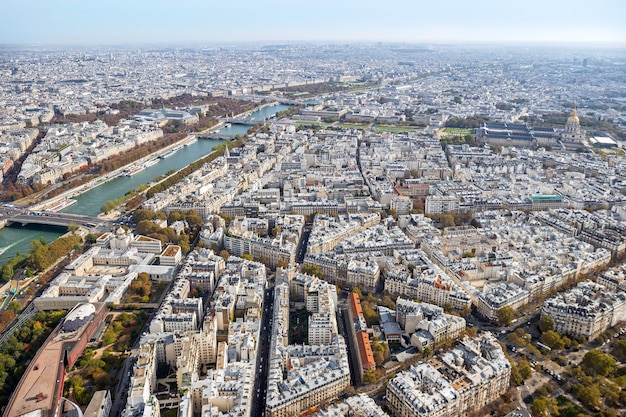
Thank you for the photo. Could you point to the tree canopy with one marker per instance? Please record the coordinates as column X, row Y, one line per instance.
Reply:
column 546, row 323
column 544, row 407
column 312, row 270
column 597, row 363
column 505, row 315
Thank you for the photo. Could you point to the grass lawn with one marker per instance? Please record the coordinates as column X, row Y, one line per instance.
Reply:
column 299, row 327
column 352, row 126
column 387, row 128
column 457, row 132
column 320, row 124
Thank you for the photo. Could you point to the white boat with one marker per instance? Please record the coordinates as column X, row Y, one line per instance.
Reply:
column 60, row 205
column 133, row 171
column 167, row 154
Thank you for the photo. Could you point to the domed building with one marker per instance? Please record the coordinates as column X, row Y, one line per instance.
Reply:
column 572, row 136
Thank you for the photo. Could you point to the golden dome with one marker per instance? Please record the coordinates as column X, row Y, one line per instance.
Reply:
column 573, row 118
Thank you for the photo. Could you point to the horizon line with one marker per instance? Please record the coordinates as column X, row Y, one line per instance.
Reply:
column 614, row 44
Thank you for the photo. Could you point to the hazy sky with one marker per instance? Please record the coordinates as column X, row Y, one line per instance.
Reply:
column 141, row 21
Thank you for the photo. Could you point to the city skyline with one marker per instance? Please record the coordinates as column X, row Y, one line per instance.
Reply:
column 191, row 21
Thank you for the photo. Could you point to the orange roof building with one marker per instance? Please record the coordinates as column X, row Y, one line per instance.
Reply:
column 366, row 356
column 365, row 351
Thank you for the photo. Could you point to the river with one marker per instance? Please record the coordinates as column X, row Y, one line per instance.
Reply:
column 17, row 239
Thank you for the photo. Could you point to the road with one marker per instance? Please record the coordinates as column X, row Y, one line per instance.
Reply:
column 260, row 378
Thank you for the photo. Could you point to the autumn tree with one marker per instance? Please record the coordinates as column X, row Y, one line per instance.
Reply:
column 141, row 286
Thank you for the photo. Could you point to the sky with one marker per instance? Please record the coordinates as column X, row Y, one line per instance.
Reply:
column 414, row 21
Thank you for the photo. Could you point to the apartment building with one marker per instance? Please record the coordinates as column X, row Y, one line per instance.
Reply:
column 427, row 324
column 454, row 383
column 586, row 310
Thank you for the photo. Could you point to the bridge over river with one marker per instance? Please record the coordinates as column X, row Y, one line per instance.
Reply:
column 57, row 219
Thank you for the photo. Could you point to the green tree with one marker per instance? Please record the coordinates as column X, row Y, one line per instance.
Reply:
column 620, row 351
column 147, row 227
column 174, row 216
column 370, row 315
column 552, row 339
column 524, row 369
column 108, row 207
column 72, row 227
column 589, row 395
column 597, row 363
column 15, row 306
column 224, row 254
column 378, row 357
column 193, row 219
column 227, row 218
column 7, row 272
column 184, row 245
column 546, row 323
column 247, row 257
column 471, row 331
column 447, row 220
column 388, row 302
column 505, row 315
column 141, row 214
column 312, row 270
column 516, row 377
column 369, row 376
column 544, row 407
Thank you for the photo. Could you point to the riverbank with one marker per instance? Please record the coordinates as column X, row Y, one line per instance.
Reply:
column 17, row 239
column 96, row 182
